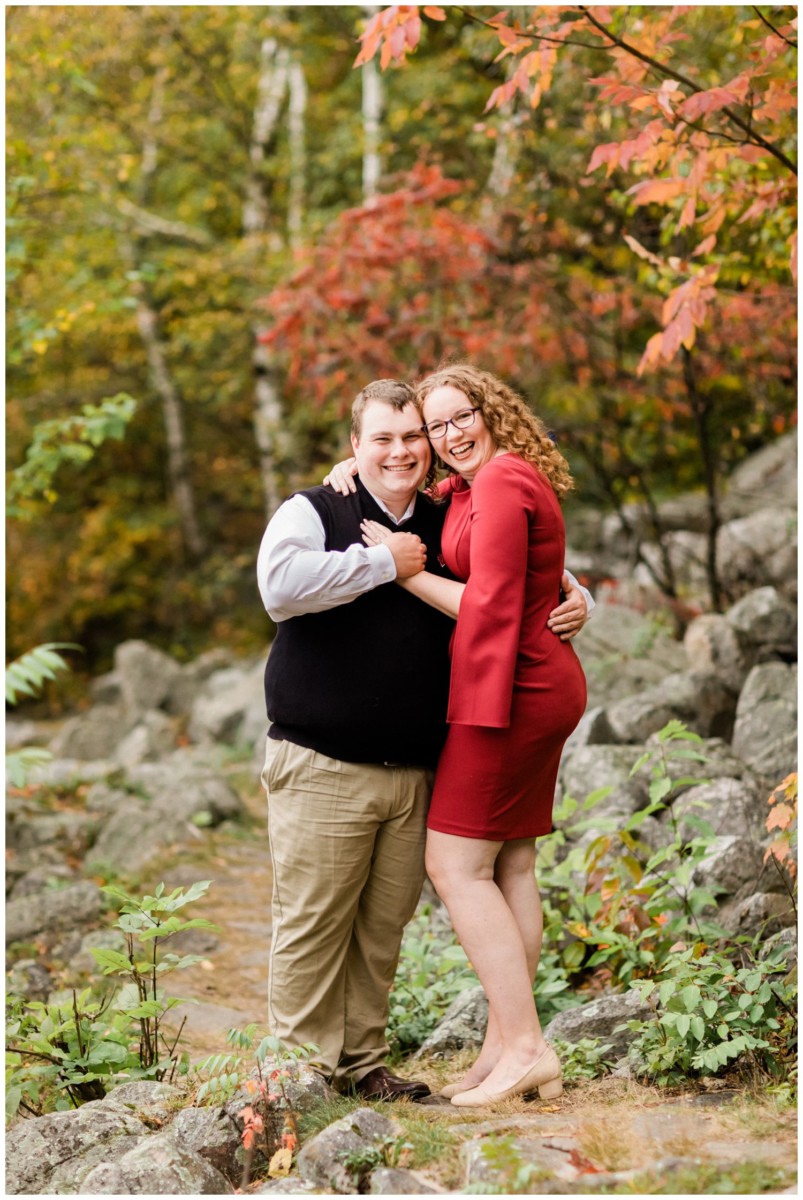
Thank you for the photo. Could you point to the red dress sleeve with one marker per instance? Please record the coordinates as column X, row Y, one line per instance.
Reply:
column 486, row 638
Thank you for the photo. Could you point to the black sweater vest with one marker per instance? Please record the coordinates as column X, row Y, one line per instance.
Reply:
column 366, row 681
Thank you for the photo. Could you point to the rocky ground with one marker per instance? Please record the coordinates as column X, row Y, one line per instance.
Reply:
column 157, row 779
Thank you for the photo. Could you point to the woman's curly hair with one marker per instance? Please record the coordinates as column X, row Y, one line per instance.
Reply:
column 511, row 423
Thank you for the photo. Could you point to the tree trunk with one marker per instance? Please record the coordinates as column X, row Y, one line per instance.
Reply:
column 701, row 410
column 298, row 154
column 269, row 416
column 179, row 481
column 372, row 105
column 274, row 65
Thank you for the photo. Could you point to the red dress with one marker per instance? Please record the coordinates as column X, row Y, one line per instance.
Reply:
column 517, row 690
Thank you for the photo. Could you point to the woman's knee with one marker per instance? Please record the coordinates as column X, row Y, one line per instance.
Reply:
column 451, row 869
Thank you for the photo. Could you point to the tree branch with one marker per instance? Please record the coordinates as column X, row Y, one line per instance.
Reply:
column 769, row 25
column 669, row 73
column 531, row 37
column 152, row 223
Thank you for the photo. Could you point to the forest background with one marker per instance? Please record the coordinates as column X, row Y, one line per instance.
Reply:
column 219, row 229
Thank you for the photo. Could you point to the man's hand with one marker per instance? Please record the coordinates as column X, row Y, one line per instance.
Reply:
column 568, row 618
column 341, row 477
column 409, row 552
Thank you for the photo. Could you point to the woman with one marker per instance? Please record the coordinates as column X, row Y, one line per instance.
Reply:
column 517, row 692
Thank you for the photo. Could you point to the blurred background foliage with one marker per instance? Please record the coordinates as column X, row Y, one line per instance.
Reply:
column 190, row 226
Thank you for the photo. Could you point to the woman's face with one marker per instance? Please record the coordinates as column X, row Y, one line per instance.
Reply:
column 465, row 449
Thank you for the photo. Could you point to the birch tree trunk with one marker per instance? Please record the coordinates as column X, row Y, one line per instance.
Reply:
column 179, row 481
column 298, row 153
column 269, row 432
column 372, row 105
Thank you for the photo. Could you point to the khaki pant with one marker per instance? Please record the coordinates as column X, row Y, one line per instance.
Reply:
column 347, row 848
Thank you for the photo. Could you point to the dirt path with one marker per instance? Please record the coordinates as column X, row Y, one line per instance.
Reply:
column 230, row 984
column 611, row 1124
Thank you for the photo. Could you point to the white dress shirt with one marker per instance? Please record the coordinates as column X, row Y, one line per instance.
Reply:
column 297, row 574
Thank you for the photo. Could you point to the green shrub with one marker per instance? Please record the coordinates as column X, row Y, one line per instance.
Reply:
column 433, row 970
column 709, row 1012
column 60, row 1055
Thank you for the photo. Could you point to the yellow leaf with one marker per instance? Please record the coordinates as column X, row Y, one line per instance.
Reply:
column 281, row 1163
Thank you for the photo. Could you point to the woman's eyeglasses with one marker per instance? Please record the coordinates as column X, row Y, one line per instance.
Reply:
column 461, row 420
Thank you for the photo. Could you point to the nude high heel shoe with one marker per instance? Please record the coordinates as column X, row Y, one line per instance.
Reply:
column 544, row 1075
column 450, row 1090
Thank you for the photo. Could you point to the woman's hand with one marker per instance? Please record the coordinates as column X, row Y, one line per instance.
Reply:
column 341, row 477
column 409, row 552
column 569, row 617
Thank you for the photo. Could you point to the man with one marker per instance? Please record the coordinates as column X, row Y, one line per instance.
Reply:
column 356, row 685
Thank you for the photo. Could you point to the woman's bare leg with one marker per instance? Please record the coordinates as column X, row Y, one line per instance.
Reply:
column 462, row 870
column 514, row 874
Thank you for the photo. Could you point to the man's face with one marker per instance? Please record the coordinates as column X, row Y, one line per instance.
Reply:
column 392, row 453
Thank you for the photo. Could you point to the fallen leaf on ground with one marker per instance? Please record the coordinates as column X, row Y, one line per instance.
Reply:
column 281, row 1163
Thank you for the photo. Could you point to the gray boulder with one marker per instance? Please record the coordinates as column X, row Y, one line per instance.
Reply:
column 699, row 698
column 36, row 1148
column 92, row 735
column 589, row 768
column 215, row 1135
column 593, row 730
column 766, row 622
column 63, row 908
column 290, row 1186
column 153, row 737
column 322, row 1159
column 763, row 913
column 599, row 1019
column 41, row 878
column 687, row 553
column 624, row 652
column 156, row 1167
column 227, row 702
column 720, row 763
column 729, row 806
column 783, row 946
column 552, row 1160
column 733, row 866
column 304, row 1087
column 179, row 798
column 72, row 772
column 71, row 831
column 463, row 1024
column 396, row 1181
column 84, row 961
column 715, row 645
column 758, row 551
column 769, row 474
column 765, row 731
column 155, row 1101
column 187, row 684
column 28, row 978
column 146, row 675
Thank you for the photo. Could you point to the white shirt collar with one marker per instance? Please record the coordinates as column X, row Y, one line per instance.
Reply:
column 408, row 512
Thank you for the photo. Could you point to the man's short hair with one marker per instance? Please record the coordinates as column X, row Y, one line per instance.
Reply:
column 393, row 392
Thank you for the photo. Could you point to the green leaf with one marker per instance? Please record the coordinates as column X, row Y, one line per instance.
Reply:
column 111, row 961
column 690, row 997
column 683, row 1024
column 698, row 1028
column 709, row 1008
column 666, row 991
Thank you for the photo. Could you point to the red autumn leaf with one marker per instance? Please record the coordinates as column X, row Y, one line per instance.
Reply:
column 657, row 191
column 781, row 817
column 434, row 13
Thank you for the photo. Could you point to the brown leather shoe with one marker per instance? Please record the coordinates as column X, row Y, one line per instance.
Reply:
column 379, row 1084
